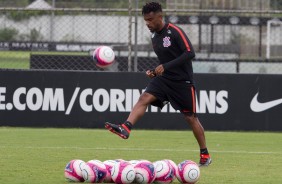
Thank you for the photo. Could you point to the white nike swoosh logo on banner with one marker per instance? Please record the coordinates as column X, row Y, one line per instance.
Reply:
column 257, row 106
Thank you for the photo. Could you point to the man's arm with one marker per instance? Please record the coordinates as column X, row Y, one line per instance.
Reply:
column 184, row 44
column 186, row 56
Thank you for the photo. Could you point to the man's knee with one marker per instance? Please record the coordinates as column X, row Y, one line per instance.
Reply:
column 191, row 117
column 146, row 98
column 190, row 114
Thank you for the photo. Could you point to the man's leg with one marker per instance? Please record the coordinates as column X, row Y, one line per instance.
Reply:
column 199, row 134
column 140, row 107
column 123, row 130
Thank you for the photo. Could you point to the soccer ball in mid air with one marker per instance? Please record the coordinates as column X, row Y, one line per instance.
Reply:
column 145, row 172
column 188, row 172
column 73, row 170
column 123, row 172
column 103, row 56
column 164, row 172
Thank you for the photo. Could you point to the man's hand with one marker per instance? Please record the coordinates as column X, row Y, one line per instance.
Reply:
column 159, row 70
column 153, row 73
column 150, row 73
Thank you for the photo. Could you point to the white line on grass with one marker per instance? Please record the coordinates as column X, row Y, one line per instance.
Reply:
column 137, row 149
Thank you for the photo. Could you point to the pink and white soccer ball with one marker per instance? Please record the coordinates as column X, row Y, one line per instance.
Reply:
column 88, row 174
column 174, row 167
column 145, row 172
column 134, row 162
column 119, row 160
column 104, row 56
column 123, row 172
column 164, row 172
column 94, row 172
column 188, row 172
column 109, row 164
column 73, row 170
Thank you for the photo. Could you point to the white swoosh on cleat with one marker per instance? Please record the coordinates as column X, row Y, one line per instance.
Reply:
column 257, row 106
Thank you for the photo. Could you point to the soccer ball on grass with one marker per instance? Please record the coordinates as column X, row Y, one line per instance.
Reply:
column 109, row 165
column 73, row 170
column 164, row 172
column 94, row 171
column 123, row 172
column 188, row 172
column 145, row 172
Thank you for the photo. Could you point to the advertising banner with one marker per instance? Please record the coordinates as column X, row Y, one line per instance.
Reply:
column 88, row 99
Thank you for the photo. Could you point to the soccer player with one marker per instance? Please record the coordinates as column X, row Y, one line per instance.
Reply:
column 171, row 81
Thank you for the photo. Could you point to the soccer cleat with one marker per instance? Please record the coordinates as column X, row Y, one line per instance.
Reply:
column 205, row 160
column 121, row 130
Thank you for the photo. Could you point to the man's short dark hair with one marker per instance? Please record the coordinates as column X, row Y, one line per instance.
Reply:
column 151, row 7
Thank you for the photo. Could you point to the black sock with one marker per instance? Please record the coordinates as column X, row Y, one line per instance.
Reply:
column 128, row 125
column 204, row 151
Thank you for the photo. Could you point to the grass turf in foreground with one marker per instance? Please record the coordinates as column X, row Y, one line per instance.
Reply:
column 30, row 155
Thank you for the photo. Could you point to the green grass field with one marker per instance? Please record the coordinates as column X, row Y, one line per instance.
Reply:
column 33, row 155
column 20, row 59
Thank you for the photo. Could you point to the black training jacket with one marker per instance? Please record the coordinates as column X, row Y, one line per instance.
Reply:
column 175, row 52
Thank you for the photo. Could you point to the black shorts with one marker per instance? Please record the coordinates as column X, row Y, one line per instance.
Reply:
column 180, row 94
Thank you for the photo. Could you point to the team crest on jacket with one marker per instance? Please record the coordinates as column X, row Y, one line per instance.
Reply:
column 167, row 41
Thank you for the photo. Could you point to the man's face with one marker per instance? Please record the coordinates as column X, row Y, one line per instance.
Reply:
column 154, row 21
